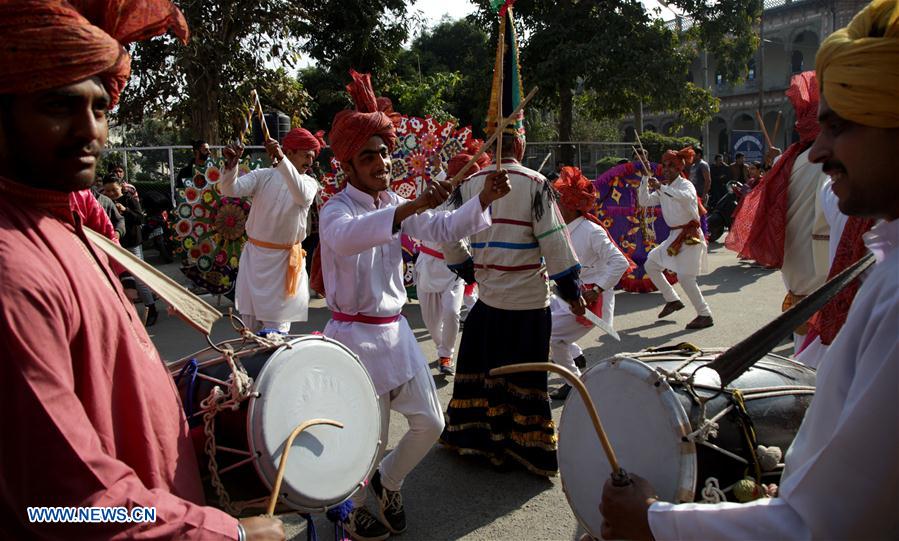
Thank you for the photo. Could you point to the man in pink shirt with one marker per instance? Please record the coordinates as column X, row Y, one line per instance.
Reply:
column 92, row 415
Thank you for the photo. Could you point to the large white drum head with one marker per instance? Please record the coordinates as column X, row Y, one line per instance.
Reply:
column 315, row 378
column 645, row 424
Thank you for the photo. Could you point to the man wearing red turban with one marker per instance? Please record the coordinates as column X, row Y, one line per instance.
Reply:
column 602, row 265
column 361, row 258
column 684, row 251
column 97, row 419
column 272, row 287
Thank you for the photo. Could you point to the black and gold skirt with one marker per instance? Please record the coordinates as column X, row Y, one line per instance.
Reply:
column 506, row 418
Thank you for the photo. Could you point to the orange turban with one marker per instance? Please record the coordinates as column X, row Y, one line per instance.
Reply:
column 351, row 130
column 458, row 161
column 680, row 158
column 52, row 43
column 575, row 190
column 303, row 139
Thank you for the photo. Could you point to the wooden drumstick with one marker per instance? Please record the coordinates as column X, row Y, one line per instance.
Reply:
column 645, row 165
column 261, row 116
column 276, row 488
column 619, row 476
column 777, row 126
column 758, row 117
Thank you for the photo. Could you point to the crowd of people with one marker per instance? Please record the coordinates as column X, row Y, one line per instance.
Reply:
column 98, row 422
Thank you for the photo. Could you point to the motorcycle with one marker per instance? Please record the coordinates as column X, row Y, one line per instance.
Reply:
column 722, row 214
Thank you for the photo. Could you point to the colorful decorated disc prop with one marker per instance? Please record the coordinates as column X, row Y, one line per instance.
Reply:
column 211, row 228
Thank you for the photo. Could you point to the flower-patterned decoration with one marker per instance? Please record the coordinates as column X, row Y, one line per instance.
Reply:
column 211, row 228
column 636, row 229
column 422, row 143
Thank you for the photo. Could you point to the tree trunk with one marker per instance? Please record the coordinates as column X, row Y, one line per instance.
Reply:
column 204, row 88
column 566, row 154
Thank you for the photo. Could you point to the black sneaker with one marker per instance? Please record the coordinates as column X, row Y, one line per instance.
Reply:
column 363, row 526
column 580, row 361
column 561, row 393
column 390, row 504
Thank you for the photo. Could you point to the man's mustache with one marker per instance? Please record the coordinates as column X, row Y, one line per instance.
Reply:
column 833, row 166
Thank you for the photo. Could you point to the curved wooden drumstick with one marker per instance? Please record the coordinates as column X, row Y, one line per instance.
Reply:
column 619, row 476
column 276, row 488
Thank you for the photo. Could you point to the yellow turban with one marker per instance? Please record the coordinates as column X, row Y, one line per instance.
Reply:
column 858, row 67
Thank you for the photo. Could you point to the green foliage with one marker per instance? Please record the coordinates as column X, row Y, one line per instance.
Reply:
column 657, row 144
column 604, row 164
column 425, row 96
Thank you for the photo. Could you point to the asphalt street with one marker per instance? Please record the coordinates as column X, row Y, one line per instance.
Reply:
column 452, row 497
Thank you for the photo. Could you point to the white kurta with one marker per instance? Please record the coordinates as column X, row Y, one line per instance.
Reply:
column 679, row 206
column 805, row 264
column 841, row 479
column 362, row 265
column 281, row 200
column 603, row 264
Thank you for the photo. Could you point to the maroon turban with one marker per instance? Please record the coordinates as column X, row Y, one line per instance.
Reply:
column 351, row 130
column 575, row 190
column 303, row 139
column 52, row 43
column 458, row 161
column 680, row 158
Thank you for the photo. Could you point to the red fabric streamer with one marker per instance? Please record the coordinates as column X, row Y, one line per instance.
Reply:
column 763, row 240
column 52, row 43
column 302, row 139
column 828, row 321
column 351, row 130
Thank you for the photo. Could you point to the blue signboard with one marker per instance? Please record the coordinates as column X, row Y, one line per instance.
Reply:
column 750, row 143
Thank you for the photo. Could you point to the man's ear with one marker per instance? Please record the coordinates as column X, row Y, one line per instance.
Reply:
column 348, row 168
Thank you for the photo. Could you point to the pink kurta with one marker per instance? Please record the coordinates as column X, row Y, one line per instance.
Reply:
column 90, row 415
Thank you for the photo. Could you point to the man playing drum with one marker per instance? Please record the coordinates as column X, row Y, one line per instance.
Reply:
column 361, row 258
column 840, row 480
column 91, row 417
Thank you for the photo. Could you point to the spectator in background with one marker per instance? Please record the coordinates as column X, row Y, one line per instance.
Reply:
column 700, row 176
column 739, row 171
column 719, row 172
column 109, row 207
column 756, row 172
column 133, row 238
column 201, row 155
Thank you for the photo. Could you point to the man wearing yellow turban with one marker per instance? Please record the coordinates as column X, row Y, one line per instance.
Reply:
column 840, row 479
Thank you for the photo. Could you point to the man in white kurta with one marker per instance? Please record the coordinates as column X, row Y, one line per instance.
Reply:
column 602, row 265
column 361, row 256
column 685, row 251
column 841, row 479
column 272, row 286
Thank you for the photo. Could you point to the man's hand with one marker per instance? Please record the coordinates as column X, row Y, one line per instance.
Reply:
column 578, row 306
column 434, row 195
column 263, row 528
column 496, row 186
column 120, row 207
column 274, row 150
column 625, row 510
column 654, row 183
column 232, row 154
column 591, row 296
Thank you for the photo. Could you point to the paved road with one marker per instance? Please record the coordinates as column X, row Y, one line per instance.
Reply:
column 452, row 497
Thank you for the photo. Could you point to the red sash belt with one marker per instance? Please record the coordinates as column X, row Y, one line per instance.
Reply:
column 690, row 234
column 362, row 318
column 431, row 252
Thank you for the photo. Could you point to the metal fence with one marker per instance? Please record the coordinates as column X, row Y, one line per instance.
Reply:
column 585, row 154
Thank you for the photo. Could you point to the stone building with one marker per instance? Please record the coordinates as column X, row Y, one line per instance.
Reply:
column 791, row 32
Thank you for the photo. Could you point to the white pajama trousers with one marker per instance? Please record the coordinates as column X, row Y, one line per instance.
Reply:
column 257, row 325
column 440, row 312
column 687, row 282
column 566, row 331
column 417, row 401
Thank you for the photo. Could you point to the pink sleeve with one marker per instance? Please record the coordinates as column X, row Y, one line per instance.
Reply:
column 52, row 455
column 92, row 214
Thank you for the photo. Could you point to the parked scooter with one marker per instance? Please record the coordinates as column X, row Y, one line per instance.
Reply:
column 722, row 214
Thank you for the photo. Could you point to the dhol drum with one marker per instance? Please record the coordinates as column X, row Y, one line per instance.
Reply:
column 239, row 450
column 693, row 442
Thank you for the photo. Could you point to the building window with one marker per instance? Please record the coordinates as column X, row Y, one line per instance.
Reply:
column 796, row 62
column 719, row 79
column 751, row 71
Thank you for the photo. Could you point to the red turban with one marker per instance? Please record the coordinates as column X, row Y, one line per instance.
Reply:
column 458, row 161
column 803, row 94
column 351, row 130
column 680, row 158
column 52, row 43
column 303, row 139
column 576, row 191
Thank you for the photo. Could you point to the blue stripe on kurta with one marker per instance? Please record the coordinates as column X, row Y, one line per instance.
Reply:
column 565, row 272
column 508, row 245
